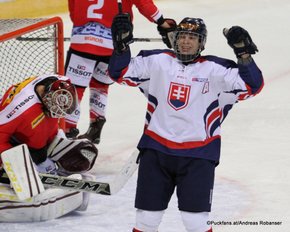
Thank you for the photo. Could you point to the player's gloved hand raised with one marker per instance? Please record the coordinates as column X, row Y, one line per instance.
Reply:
column 240, row 40
column 122, row 32
column 165, row 28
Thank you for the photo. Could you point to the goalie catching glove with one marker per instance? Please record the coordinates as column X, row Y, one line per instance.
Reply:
column 240, row 40
column 122, row 32
column 72, row 156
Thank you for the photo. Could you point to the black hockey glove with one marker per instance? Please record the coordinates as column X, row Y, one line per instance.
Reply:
column 166, row 33
column 240, row 40
column 122, row 32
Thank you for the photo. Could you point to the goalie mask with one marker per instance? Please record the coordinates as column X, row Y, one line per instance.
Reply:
column 189, row 39
column 59, row 98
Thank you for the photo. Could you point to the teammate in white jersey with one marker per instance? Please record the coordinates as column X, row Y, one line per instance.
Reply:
column 189, row 96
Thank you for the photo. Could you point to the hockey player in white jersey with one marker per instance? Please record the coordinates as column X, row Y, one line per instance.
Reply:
column 189, row 96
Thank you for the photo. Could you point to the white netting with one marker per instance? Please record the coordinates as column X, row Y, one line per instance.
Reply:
column 30, row 53
column 10, row 25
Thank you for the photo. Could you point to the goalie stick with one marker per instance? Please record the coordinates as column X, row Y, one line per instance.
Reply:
column 75, row 184
column 69, row 183
column 96, row 187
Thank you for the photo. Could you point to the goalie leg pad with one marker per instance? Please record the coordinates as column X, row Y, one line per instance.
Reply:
column 7, row 193
column 86, row 195
column 50, row 204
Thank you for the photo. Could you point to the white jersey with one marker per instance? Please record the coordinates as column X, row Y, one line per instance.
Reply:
column 186, row 103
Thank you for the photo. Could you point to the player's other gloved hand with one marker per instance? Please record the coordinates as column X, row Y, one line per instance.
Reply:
column 165, row 28
column 240, row 40
column 122, row 32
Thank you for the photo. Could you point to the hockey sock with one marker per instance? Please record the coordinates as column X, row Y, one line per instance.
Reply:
column 98, row 99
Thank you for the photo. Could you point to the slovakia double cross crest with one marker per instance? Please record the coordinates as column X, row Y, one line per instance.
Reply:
column 178, row 95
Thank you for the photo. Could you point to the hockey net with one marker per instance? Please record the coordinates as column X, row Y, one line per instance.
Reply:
column 29, row 47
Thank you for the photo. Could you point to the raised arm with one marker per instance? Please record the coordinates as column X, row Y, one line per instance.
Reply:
column 242, row 44
column 122, row 35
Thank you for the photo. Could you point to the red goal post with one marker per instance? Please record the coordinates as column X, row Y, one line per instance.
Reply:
column 30, row 47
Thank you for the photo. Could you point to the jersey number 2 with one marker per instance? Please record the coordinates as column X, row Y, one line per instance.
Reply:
column 91, row 14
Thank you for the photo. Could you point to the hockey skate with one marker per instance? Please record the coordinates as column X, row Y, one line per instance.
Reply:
column 94, row 132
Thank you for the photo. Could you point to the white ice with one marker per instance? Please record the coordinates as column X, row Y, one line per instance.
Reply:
column 252, row 181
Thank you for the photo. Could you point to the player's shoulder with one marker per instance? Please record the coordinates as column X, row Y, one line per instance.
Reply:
column 18, row 99
column 227, row 63
column 146, row 53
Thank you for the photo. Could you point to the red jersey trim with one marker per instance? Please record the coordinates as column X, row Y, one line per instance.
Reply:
column 175, row 145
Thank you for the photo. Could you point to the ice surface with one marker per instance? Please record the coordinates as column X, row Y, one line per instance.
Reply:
column 252, row 180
